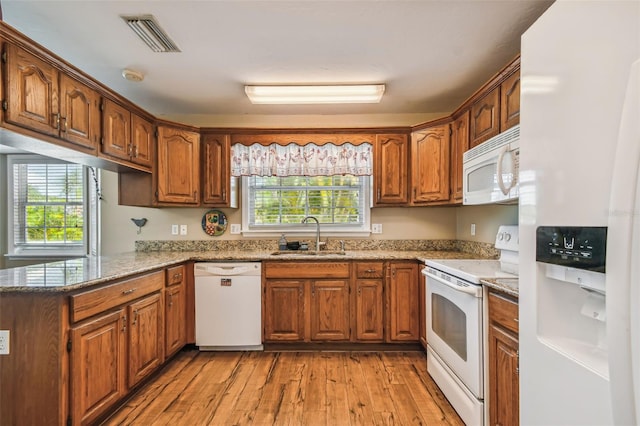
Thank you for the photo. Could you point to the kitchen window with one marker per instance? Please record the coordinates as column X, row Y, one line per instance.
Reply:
column 50, row 211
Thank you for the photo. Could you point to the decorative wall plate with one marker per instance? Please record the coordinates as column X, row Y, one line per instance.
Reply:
column 214, row 223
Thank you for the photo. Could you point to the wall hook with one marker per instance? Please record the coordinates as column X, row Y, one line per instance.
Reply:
column 139, row 223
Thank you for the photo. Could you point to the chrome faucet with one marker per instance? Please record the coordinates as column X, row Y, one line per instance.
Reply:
column 317, row 230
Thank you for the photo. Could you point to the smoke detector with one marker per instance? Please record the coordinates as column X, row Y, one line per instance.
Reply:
column 132, row 75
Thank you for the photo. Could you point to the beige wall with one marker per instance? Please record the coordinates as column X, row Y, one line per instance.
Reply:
column 119, row 233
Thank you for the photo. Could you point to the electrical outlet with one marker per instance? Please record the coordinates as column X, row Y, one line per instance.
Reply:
column 376, row 228
column 473, row 229
column 174, row 229
column 236, row 229
column 4, row 342
column 183, row 229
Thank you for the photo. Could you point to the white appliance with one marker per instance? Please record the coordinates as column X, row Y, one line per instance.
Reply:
column 454, row 321
column 580, row 159
column 228, row 306
column 490, row 170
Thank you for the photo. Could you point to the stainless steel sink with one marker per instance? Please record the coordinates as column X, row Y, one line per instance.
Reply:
column 307, row 253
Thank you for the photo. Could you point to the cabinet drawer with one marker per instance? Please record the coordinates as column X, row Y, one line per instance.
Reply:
column 301, row 270
column 91, row 302
column 504, row 311
column 369, row 269
column 175, row 275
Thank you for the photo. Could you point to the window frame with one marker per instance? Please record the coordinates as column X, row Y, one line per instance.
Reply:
column 48, row 251
column 309, row 229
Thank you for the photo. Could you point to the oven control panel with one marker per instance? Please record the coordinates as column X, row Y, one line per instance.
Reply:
column 582, row 247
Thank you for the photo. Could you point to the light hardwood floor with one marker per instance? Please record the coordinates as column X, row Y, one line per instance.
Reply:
column 290, row 388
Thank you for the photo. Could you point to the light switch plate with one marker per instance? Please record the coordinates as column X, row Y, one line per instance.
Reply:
column 4, row 342
column 183, row 229
column 174, row 229
column 236, row 228
column 376, row 228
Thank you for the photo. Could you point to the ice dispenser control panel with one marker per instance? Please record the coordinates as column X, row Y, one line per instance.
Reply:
column 582, row 247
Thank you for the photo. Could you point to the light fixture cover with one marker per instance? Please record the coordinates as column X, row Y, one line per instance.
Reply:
column 132, row 75
column 322, row 94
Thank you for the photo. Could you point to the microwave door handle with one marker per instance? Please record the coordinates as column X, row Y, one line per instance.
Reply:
column 501, row 184
column 462, row 289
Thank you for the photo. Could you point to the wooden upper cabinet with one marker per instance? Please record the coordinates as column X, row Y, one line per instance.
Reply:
column 485, row 118
column 510, row 101
column 116, row 130
column 178, row 171
column 33, row 92
column 216, row 177
column 459, row 144
column 430, row 152
column 142, row 141
column 391, row 170
column 80, row 113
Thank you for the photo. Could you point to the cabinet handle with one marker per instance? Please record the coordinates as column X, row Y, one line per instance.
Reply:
column 378, row 194
column 359, row 291
column 135, row 151
column 300, row 293
column 135, row 317
column 170, row 299
column 64, row 120
column 56, row 121
column 177, row 277
column 224, row 194
column 370, row 271
column 124, row 323
column 130, row 150
column 313, row 291
column 131, row 290
column 415, row 191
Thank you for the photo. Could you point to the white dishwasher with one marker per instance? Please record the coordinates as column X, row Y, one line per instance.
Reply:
column 228, row 306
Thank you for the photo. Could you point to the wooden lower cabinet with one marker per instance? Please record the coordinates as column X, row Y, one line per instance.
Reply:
column 98, row 366
column 403, row 296
column 146, row 339
column 284, row 310
column 175, row 324
column 504, row 377
column 329, row 310
column 369, row 315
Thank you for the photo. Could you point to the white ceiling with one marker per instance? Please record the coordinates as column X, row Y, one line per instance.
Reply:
column 432, row 55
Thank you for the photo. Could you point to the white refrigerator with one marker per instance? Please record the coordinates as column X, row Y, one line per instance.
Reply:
column 580, row 199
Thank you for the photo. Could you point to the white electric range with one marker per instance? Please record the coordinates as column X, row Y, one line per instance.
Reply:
column 454, row 321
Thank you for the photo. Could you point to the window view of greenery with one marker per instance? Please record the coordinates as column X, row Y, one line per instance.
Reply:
column 287, row 200
column 48, row 204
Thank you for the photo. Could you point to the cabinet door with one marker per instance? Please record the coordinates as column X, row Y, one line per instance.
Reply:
column 116, row 128
column 330, row 310
column 97, row 366
column 403, row 301
column 510, row 101
column 142, row 141
column 175, row 312
column 80, row 113
column 284, row 310
column 503, row 377
column 391, row 170
column 146, row 342
column 430, row 152
column 459, row 144
column 369, row 310
column 216, row 176
column 32, row 95
column 178, row 169
column 485, row 118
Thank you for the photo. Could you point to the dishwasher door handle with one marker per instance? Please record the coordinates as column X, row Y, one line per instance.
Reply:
column 218, row 270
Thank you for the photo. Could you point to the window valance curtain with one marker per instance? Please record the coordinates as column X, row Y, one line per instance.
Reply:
column 301, row 160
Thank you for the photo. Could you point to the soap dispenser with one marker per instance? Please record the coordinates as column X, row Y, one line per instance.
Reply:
column 282, row 243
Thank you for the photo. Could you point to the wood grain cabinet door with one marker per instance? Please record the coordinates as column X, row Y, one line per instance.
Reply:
column 485, row 118
column 178, row 171
column 391, row 170
column 216, row 177
column 146, row 341
column 284, row 310
column 503, row 377
column 369, row 310
column 32, row 95
column 459, row 144
column 142, row 141
column 330, row 310
column 97, row 366
column 116, row 130
column 430, row 153
column 510, row 101
column 175, row 319
column 80, row 114
column 403, row 293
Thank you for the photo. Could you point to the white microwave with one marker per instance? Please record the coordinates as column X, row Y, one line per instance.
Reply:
column 490, row 170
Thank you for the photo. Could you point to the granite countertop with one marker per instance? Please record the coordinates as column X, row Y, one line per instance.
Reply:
column 505, row 285
column 69, row 275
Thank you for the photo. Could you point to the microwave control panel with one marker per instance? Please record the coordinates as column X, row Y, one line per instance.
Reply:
column 582, row 247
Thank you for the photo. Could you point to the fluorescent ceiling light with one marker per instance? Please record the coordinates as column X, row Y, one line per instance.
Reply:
column 340, row 94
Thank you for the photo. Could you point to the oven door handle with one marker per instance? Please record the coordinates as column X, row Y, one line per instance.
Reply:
column 462, row 289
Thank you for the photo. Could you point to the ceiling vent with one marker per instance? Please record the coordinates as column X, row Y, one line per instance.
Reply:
column 150, row 32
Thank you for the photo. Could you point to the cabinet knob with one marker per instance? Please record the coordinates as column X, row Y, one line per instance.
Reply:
column 135, row 317
column 124, row 323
